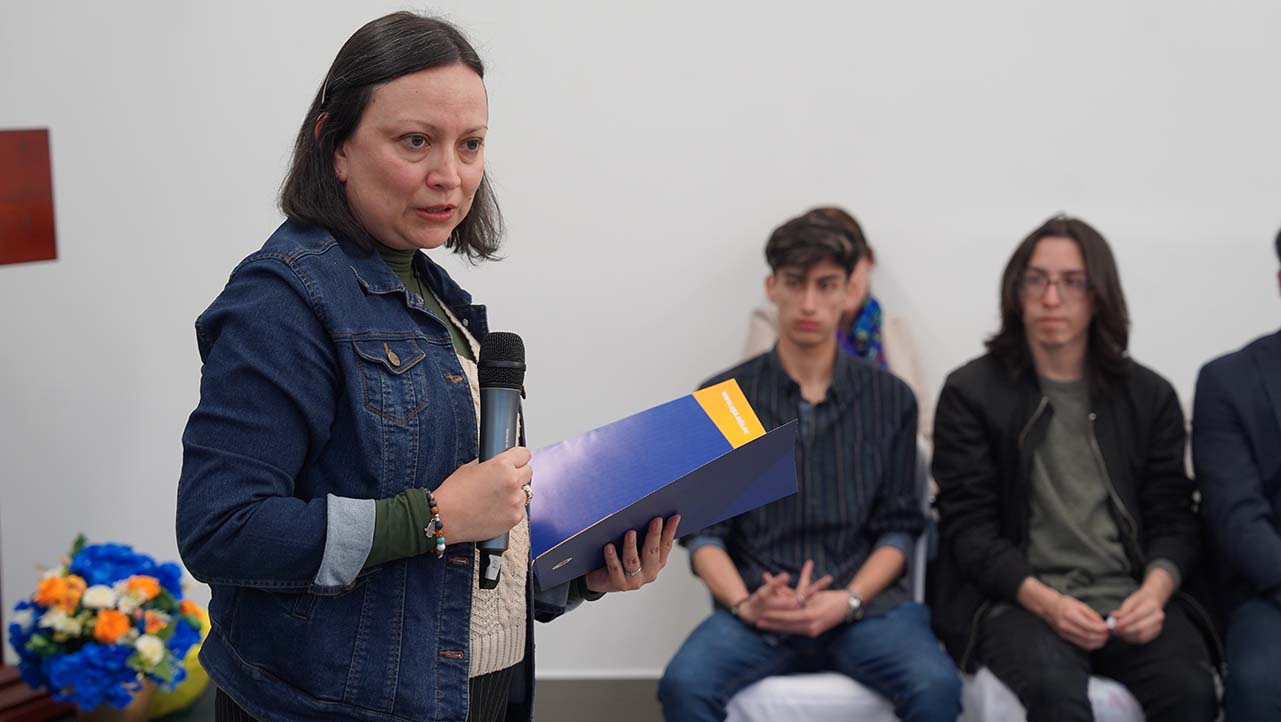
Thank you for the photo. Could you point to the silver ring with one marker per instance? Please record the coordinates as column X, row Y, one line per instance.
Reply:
column 632, row 572
column 529, row 492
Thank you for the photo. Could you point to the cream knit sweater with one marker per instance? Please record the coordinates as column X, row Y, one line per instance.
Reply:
column 498, row 616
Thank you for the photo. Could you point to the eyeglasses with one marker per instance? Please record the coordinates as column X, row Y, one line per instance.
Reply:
column 1072, row 287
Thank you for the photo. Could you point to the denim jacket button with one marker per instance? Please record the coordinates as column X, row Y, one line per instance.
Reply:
column 391, row 355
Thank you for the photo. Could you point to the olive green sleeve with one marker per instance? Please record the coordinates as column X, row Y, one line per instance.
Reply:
column 398, row 528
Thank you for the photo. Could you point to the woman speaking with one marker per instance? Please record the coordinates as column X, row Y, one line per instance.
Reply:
column 330, row 494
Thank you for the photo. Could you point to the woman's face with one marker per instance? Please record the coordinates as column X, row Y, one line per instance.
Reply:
column 858, row 285
column 413, row 164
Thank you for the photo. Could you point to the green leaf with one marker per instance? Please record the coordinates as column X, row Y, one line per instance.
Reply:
column 164, row 602
column 165, row 671
column 43, row 646
column 80, row 543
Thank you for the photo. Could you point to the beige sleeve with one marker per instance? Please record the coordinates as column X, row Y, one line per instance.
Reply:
column 905, row 363
column 762, row 331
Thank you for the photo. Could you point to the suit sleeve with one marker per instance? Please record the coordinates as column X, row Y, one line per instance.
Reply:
column 1232, row 495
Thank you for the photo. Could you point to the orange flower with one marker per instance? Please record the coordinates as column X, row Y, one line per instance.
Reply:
column 111, row 626
column 189, row 607
column 71, row 597
column 51, row 591
column 155, row 622
column 149, row 587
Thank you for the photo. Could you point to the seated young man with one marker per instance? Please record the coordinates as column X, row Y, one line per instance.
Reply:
column 1236, row 447
column 814, row 581
column 1065, row 507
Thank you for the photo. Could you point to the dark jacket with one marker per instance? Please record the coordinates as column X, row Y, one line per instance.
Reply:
column 1236, row 447
column 987, row 427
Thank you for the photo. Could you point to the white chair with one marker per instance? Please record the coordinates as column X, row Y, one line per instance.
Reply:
column 984, row 698
column 822, row 697
column 831, row 696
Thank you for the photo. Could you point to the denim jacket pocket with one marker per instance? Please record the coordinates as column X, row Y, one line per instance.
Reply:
column 302, row 603
column 391, row 373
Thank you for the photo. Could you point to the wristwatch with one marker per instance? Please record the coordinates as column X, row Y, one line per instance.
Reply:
column 855, row 612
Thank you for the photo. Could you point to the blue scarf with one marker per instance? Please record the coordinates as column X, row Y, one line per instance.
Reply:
column 863, row 339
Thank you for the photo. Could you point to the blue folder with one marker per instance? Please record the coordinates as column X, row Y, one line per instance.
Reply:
column 703, row 456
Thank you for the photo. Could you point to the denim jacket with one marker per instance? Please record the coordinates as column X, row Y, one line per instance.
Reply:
column 325, row 386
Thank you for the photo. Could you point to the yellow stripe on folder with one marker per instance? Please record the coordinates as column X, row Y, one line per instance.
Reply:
column 727, row 407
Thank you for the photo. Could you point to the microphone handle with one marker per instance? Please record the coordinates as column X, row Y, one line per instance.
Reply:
column 499, row 412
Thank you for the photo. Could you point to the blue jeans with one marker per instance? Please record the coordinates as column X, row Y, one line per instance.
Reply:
column 895, row 655
column 1253, row 685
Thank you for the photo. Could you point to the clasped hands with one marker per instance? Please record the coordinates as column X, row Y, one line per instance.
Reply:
column 1138, row 620
column 808, row 609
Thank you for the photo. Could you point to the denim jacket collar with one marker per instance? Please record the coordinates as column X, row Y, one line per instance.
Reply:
column 375, row 276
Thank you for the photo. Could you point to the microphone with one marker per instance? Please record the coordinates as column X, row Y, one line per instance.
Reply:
column 502, row 379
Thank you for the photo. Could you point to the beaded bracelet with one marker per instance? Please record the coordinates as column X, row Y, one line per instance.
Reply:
column 435, row 528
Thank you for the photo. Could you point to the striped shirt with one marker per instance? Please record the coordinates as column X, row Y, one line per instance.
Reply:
column 856, row 463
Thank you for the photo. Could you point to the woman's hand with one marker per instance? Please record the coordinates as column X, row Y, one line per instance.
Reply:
column 482, row 501
column 635, row 569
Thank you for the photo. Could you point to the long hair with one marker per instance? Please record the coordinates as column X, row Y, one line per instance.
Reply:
column 383, row 50
column 1108, row 361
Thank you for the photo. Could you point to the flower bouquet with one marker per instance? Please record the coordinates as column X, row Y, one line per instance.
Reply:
column 103, row 623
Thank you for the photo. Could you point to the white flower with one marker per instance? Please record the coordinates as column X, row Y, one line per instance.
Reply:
column 23, row 618
column 58, row 571
column 99, row 596
column 58, row 620
column 151, row 648
column 127, row 603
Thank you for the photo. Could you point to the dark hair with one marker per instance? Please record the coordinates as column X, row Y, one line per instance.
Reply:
column 383, row 50
column 808, row 239
column 1107, row 359
column 846, row 221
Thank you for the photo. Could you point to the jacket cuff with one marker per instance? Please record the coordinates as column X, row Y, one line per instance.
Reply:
column 1006, row 578
column 1170, row 568
column 1173, row 551
column 349, row 536
column 578, row 588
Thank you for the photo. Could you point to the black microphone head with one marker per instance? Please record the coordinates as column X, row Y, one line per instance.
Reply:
column 502, row 360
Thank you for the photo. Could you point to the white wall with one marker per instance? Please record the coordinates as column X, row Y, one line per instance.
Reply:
column 642, row 153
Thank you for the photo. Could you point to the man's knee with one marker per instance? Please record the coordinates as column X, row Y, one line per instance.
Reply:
column 1051, row 686
column 1252, row 676
column 680, row 684
column 937, row 686
column 1192, row 693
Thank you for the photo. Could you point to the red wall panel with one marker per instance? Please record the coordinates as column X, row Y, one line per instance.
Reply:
column 26, row 197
